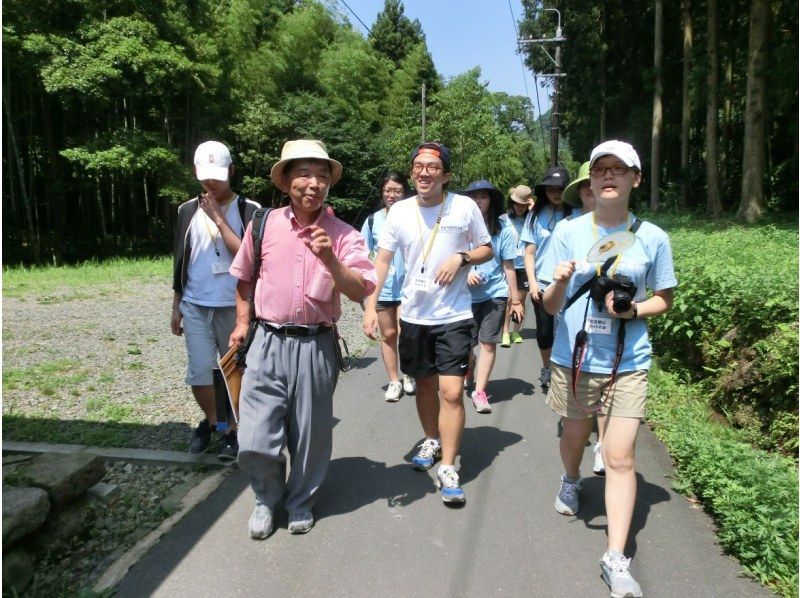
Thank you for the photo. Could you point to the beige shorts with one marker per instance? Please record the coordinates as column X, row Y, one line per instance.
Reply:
column 627, row 398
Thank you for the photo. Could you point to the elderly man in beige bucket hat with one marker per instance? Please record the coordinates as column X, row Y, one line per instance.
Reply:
column 308, row 259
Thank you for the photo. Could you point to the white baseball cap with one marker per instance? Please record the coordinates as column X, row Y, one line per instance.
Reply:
column 212, row 160
column 622, row 150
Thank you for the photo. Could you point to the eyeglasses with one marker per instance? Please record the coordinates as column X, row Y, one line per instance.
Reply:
column 616, row 170
column 418, row 167
column 393, row 192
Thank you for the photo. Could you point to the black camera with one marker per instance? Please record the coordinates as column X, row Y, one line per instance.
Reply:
column 623, row 288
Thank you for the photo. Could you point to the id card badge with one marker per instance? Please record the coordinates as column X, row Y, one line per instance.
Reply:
column 220, row 267
column 421, row 283
column 598, row 325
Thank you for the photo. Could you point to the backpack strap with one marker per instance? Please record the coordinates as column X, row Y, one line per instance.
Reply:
column 257, row 233
column 584, row 288
column 370, row 222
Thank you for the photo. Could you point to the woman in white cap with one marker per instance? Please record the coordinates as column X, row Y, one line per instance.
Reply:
column 519, row 203
column 601, row 354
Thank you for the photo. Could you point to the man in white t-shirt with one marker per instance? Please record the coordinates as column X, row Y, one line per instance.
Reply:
column 207, row 236
column 439, row 235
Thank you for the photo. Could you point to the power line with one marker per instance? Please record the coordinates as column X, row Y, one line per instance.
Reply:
column 356, row 16
column 525, row 75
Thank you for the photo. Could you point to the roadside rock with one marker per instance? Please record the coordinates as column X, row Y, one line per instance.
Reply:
column 24, row 511
column 17, row 571
column 61, row 527
column 64, row 476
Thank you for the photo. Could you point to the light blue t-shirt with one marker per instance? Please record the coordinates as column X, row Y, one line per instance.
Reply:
column 494, row 285
column 393, row 287
column 517, row 225
column 541, row 232
column 648, row 263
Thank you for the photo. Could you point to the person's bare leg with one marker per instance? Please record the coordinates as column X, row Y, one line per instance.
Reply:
column 387, row 322
column 485, row 364
column 619, row 455
column 507, row 319
column 573, row 441
column 451, row 416
column 204, row 395
column 428, row 405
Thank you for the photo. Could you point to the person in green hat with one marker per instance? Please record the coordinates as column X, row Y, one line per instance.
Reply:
column 579, row 194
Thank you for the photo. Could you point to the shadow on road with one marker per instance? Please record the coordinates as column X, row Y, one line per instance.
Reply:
column 507, row 388
column 593, row 506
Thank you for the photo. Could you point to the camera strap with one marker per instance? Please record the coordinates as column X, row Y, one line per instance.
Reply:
column 582, row 337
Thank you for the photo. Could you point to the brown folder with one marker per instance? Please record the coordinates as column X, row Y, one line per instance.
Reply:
column 232, row 374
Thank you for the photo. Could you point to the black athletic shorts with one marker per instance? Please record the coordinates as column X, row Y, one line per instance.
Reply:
column 383, row 305
column 430, row 350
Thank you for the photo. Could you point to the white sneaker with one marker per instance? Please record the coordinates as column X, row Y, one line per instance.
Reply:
column 599, row 467
column 394, row 392
column 616, row 573
column 568, row 500
column 409, row 385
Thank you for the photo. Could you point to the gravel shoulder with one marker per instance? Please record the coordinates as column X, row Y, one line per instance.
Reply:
column 104, row 368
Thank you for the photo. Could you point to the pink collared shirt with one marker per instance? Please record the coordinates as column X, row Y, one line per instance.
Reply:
column 293, row 284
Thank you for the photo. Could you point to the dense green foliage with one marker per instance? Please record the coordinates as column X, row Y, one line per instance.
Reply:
column 734, row 324
column 753, row 495
column 608, row 91
column 109, row 99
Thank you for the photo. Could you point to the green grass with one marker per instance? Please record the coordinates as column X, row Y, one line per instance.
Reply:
column 43, row 429
column 87, row 280
column 752, row 494
column 48, row 378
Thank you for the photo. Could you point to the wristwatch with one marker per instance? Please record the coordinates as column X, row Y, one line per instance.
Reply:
column 465, row 259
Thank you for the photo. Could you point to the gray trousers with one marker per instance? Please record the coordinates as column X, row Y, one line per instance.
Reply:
column 287, row 400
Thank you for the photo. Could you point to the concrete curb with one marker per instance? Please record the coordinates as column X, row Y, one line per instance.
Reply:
column 114, row 574
column 145, row 456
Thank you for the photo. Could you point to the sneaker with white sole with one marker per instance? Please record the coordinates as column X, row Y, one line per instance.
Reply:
column 447, row 481
column 480, row 400
column 599, row 467
column 409, row 385
column 429, row 452
column 616, row 573
column 260, row 524
column 506, row 340
column 568, row 501
column 544, row 379
column 516, row 338
column 301, row 523
column 394, row 391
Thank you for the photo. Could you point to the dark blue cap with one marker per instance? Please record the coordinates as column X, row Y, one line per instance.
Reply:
column 436, row 149
column 484, row 185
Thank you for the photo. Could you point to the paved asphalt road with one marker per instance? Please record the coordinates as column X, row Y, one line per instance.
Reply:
column 382, row 529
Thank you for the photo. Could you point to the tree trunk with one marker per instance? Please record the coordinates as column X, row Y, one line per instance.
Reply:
column 602, row 76
column 658, row 108
column 686, row 100
column 101, row 214
column 714, row 205
column 751, row 206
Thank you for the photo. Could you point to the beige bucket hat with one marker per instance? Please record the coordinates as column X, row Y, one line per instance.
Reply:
column 521, row 194
column 303, row 149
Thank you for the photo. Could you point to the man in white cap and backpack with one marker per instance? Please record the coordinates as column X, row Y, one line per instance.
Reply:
column 207, row 236
column 309, row 258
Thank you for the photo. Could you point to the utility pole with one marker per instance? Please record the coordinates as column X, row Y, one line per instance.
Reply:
column 554, row 114
column 424, row 133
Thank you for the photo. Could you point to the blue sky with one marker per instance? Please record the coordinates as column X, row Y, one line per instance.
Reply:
column 462, row 34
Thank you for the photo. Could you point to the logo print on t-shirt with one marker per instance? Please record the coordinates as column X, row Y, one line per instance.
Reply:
column 210, row 158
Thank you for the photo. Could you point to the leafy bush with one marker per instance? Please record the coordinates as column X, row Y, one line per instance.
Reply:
column 734, row 320
column 752, row 494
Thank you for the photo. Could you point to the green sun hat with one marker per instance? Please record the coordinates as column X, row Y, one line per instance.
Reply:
column 572, row 193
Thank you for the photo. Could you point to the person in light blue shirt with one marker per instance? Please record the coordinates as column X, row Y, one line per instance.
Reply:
column 547, row 212
column 394, row 187
column 601, row 354
column 491, row 284
column 519, row 203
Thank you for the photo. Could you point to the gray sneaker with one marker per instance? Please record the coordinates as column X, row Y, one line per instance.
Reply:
column 568, row 502
column 260, row 525
column 300, row 523
column 617, row 575
column 544, row 379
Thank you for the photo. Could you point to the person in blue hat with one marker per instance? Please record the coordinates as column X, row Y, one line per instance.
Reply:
column 491, row 284
column 547, row 212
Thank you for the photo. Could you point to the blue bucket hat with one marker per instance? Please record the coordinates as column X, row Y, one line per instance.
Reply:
column 495, row 194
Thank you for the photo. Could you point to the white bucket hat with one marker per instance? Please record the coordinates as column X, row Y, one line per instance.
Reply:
column 212, row 160
column 303, row 149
